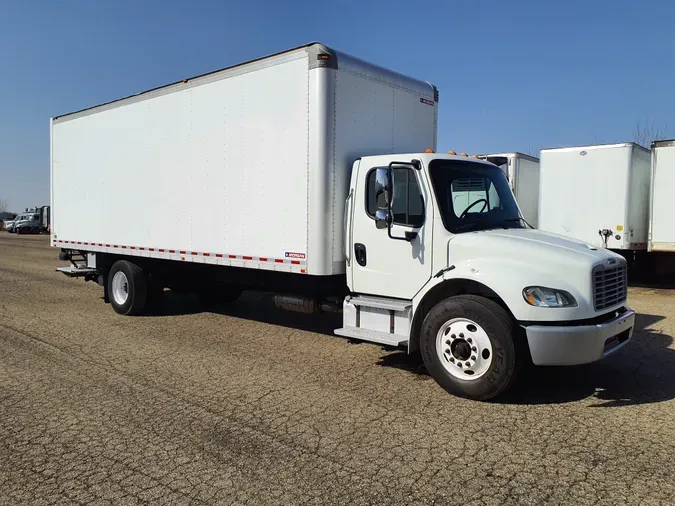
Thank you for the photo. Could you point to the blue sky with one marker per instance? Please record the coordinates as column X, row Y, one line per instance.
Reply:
column 513, row 75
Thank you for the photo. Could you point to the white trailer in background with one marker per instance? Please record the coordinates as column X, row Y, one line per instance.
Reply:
column 597, row 194
column 522, row 172
column 662, row 197
column 305, row 174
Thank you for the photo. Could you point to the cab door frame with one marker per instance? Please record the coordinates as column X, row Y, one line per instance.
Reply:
column 392, row 268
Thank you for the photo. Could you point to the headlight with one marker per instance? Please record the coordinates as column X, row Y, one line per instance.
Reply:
column 540, row 296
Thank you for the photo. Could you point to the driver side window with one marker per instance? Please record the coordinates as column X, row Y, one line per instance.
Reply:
column 408, row 203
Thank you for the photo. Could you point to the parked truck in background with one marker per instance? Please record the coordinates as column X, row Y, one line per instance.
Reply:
column 34, row 220
column 522, row 173
column 597, row 194
column 312, row 174
column 6, row 220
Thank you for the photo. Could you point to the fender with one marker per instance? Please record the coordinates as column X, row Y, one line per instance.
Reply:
column 501, row 279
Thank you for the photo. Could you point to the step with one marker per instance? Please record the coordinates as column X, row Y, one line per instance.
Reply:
column 373, row 336
column 75, row 272
column 381, row 303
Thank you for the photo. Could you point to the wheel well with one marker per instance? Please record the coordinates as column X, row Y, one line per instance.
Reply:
column 442, row 291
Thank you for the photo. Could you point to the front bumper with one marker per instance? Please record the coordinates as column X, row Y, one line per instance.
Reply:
column 573, row 345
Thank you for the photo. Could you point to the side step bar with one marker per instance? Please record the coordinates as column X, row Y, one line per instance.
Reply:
column 367, row 318
column 377, row 303
column 373, row 336
column 77, row 272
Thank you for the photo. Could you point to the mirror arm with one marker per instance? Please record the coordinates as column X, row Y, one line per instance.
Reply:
column 409, row 235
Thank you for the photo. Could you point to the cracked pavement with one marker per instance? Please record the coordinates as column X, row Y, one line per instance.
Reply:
column 252, row 405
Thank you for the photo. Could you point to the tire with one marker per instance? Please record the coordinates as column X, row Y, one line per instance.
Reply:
column 218, row 295
column 484, row 329
column 127, row 288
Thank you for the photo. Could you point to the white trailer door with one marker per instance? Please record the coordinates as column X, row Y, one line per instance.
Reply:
column 382, row 265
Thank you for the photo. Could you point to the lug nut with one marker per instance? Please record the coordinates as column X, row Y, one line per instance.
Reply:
column 461, row 335
column 468, row 364
column 447, row 351
column 473, row 358
column 447, row 342
column 473, row 348
column 459, row 364
column 453, row 336
column 452, row 359
column 469, row 340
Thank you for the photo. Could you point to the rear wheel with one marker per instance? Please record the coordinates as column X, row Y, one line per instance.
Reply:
column 470, row 346
column 127, row 288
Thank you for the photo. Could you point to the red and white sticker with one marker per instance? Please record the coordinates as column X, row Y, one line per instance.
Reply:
column 290, row 254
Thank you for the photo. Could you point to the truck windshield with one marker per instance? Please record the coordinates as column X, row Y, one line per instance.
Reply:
column 473, row 196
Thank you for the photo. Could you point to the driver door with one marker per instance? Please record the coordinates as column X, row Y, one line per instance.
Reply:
column 382, row 265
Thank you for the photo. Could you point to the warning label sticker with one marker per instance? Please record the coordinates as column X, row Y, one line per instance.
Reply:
column 300, row 256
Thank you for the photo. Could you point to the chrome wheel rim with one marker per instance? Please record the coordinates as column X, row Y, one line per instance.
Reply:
column 464, row 349
column 120, row 288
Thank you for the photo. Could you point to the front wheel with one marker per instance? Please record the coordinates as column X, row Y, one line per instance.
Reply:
column 470, row 347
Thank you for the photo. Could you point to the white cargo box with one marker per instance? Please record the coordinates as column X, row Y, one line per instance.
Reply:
column 247, row 166
column 522, row 171
column 662, row 215
column 588, row 190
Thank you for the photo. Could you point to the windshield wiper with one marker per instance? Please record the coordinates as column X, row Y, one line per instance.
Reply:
column 519, row 218
column 468, row 226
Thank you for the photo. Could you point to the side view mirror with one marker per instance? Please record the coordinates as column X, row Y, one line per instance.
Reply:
column 383, row 197
column 383, row 188
column 382, row 219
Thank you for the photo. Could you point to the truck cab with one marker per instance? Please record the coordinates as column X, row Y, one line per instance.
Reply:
column 28, row 223
column 440, row 259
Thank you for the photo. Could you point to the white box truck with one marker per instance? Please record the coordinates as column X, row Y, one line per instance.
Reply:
column 597, row 194
column 274, row 175
column 522, row 172
column 662, row 201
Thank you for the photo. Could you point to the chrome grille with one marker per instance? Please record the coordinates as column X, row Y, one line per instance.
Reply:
column 610, row 286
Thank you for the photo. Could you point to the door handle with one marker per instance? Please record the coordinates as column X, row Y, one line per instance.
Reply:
column 360, row 254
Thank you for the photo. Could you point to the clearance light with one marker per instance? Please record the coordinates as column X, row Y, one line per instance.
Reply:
column 429, row 150
column 463, row 154
column 452, row 152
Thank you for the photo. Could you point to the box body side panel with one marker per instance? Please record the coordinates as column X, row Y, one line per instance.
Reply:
column 526, row 190
column 215, row 168
column 663, row 200
column 636, row 232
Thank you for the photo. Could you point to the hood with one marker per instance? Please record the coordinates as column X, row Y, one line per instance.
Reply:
column 527, row 245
